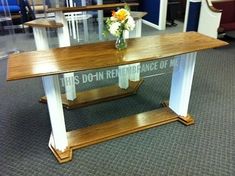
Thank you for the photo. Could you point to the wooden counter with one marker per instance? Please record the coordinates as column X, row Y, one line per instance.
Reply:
column 44, row 23
column 90, row 7
column 104, row 54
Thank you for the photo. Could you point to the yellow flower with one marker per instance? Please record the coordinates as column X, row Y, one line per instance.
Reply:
column 122, row 14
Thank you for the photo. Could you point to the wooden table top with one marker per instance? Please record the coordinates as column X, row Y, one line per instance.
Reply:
column 90, row 7
column 138, row 15
column 44, row 23
column 104, row 54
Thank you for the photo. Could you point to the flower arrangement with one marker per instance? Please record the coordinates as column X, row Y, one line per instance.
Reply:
column 119, row 22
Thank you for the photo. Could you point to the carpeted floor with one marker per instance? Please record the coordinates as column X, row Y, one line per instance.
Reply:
column 206, row 148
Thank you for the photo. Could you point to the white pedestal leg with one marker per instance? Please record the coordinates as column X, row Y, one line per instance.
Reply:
column 52, row 91
column 70, row 28
column 181, row 83
column 73, row 27
column 134, row 74
column 100, row 20
column 69, row 86
column 63, row 33
column 85, row 25
column 137, row 32
column 138, row 28
column 77, row 26
column 85, row 28
column 64, row 40
column 40, row 37
column 123, row 76
column 135, row 68
column 72, row 15
column 51, row 86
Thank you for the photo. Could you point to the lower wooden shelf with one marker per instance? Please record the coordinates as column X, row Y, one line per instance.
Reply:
column 98, row 95
column 116, row 128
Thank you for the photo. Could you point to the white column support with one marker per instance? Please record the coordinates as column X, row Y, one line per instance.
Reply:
column 69, row 83
column 134, row 69
column 73, row 25
column 138, row 29
column 69, row 22
column 40, row 37
column 52, row 90
column 64, row 40
column 85, row 24
column 63, row 33
column 123, row 76
column 186, row 16
column 85, row 28
column 100, row 20
column 162, row 14
column 181, row 83
column 51, row 86
column 77, row 26
column 134, row 73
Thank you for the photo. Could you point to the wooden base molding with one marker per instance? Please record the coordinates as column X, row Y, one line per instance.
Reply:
column 62, row 157
column 165, row 103
column 98, row 95
column 116, row 128
column 188, row 120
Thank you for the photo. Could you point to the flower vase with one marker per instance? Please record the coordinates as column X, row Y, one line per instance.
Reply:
column 121, row 42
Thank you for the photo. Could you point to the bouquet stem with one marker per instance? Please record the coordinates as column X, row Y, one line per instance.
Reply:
column 121, row 42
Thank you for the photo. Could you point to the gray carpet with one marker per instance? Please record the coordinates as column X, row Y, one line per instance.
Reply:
column 206, row 148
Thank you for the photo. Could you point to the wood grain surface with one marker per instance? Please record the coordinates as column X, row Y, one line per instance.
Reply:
column 45, row 23
column 112, row 129
column 138, row 15
column 90, row 7
column 122, row 126
column 104, row 54
column 98, row 95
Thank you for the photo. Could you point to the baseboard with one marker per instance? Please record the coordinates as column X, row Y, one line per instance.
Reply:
column 151, row 24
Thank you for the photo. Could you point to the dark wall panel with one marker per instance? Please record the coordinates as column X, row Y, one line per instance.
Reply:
column 193, row 16
column 153, row 9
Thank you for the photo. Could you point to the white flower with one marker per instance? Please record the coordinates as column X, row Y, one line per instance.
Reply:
column 120, row 21
column 113, row 18
column 114, row 28
column 130, row 25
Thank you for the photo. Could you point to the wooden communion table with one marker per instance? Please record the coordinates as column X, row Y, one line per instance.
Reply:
column 49, row 63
